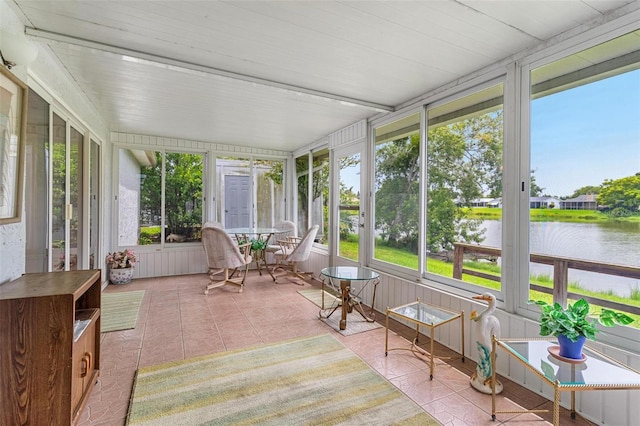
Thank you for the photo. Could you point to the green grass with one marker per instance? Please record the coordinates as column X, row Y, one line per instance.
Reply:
column 440, row 267
column 552, row 215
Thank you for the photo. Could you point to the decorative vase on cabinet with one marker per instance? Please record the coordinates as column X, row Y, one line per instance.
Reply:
column 120, row 276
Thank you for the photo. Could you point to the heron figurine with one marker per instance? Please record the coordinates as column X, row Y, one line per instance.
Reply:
column 486, row 326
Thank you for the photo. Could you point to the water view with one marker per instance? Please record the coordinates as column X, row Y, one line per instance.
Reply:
column 610, row 242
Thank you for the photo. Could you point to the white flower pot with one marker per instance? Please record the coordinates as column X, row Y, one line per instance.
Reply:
column 120, row 276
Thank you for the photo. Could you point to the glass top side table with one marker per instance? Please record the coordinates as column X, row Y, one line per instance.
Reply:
column 340, row 279
column 425, row 315
column 263, row 235
column 597, row 372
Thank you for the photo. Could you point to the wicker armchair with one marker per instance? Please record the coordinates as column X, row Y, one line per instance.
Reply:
column 294, row 251
column 223, row 254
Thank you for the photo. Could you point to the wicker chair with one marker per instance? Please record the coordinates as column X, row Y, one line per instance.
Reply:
column 289, row 231
column 294, row 251
column 223, row 254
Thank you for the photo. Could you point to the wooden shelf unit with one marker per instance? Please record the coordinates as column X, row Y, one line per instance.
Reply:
column 46, row 375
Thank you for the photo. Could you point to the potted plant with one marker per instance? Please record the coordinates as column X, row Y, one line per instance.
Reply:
column 572, row 326
column 121, row 264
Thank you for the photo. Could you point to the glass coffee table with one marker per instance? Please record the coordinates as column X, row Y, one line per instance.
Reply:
column 424, row 315
column 340, row 280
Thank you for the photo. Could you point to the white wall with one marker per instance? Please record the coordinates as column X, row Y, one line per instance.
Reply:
column 128, row 198
column 13, row 235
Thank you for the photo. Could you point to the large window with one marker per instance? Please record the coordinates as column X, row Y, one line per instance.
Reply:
column 302, row 193
column 396, row 192
column 348, row 211
column 270, row 197
column 464, row 188
column 250, row 192
column 312, row 193
column 585, row 172
column 159, row 197
column 320, row 195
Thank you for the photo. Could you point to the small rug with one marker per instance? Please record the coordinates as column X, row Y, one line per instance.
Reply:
column 119, row 311
column 283, row 383
column 355, row 322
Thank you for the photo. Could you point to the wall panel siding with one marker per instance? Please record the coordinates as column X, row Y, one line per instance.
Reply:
column 349, row 134
column 180, row 261
column 172, row 143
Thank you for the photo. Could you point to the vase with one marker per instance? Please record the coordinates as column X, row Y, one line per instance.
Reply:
column 569, row 348
column 120, row 276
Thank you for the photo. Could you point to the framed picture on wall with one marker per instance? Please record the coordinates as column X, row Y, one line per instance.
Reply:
column 13, row 119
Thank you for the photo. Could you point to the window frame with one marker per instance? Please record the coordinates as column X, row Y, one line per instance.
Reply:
column 163, row 244
column 618, row 336
column 449, row 283
column 397, row 270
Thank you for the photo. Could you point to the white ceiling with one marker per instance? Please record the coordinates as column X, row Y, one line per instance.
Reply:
column 280, row 74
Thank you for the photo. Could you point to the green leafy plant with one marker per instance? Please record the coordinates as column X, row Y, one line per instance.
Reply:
column 574, row 321
column 256, row 244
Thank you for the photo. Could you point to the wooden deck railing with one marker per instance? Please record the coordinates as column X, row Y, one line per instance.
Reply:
column 561, row 266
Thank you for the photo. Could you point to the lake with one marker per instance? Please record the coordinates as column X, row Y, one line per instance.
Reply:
column 601, row 242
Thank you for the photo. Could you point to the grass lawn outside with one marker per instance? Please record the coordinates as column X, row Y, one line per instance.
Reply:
column 440, row 267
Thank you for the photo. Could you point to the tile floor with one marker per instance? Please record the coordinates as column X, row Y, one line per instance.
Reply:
column 178, row 321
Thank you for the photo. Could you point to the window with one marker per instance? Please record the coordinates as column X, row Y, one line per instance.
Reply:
column 312, row 195
column 348, row 210
column 159, row 197
column 234, row 205
column 464, row 188
column 585, row 172
column 250, row 192
column 396, row 192
column 270, row 198
column 302, row 193
column 320, row 195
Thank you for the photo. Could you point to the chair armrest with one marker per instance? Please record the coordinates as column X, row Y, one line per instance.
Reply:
column 245, row 249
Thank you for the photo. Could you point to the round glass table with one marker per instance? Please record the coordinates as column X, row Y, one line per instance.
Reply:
column 258, row 237
column 348, row 282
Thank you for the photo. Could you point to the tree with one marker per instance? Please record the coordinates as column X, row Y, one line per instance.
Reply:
column 397, row 189
column 534, row 189
column 183, row 193
column 585, row 190
column 464, row 162
column 621, row 194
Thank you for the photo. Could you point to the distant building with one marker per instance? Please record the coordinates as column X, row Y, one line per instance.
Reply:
column 480, row 202
column 544, row 203
column 581, row 202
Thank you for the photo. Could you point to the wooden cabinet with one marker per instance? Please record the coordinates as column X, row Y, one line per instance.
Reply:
column 49, row 346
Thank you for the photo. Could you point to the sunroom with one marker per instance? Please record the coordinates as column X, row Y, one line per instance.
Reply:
column 384, row 123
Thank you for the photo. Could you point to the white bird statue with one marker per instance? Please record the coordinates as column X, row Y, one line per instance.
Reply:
column 487, row 325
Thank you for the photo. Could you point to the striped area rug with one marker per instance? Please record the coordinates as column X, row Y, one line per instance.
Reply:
column 119, row 311
column 307, row 381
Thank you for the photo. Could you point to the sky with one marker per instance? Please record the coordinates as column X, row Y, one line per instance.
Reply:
column 585, row 135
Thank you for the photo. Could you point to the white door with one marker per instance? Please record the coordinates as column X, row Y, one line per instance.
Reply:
column 237, row 201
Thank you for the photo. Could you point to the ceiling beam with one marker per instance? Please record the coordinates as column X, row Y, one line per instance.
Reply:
column 119, row 50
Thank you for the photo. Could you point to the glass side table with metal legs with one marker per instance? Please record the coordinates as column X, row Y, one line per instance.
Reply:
column 424, row 315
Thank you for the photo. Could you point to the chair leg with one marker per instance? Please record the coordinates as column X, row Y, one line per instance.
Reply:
column 227, row 280
column 292, row 269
